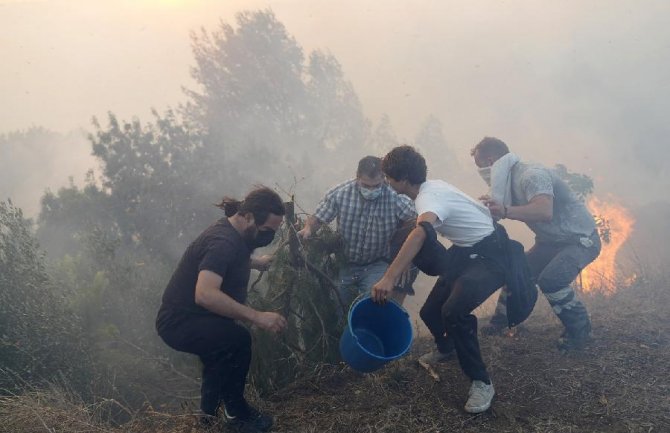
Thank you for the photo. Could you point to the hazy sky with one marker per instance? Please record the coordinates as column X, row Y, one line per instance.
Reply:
column 584, row 83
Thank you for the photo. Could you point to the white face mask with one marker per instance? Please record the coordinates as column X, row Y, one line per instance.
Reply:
column 370, row 194
column 485, row 173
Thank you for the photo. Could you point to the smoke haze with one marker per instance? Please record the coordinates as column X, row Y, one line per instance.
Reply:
column 579, row 83
column 293, row 99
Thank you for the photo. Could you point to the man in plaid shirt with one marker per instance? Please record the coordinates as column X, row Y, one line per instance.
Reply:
column 368, row 213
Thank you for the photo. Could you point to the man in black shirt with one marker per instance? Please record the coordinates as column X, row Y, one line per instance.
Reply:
column 206, row 295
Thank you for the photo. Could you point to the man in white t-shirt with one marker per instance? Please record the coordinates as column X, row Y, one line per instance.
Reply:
column 470, row 271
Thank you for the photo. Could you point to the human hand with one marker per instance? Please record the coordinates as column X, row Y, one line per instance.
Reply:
column 497, row 210
column 263, row 263
column 305, row 233
column 382, row 290
column 270, row 321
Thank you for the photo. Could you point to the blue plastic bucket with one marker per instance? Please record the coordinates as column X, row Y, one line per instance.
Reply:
column 375, row 334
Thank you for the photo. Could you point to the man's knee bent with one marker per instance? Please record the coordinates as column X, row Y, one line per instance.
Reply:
column 450, row 317
column 429, row 311
column 456, row 323
column 243, row 337
column 237, row 339
column 549, row 285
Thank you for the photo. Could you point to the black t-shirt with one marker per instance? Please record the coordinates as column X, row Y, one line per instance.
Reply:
column 219, row 249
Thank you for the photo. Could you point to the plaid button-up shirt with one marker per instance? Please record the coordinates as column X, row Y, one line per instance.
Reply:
column 365, row 225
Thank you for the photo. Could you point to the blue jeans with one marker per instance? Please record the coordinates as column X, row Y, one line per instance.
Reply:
column 358, row 279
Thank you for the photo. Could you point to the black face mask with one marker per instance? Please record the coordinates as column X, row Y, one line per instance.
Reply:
column 261, row 239
column 264, row 238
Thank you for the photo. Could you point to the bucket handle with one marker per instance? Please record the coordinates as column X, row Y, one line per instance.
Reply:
column 363, row 296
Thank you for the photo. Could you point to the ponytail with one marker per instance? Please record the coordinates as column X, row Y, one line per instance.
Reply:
column 261, row 202
column 230, row 206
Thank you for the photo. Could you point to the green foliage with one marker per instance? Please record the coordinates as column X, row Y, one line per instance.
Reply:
column 263, row 112
column 153, row 182
column 308, row 302
column 115, row 241
column 39, row 334
column 116, row 292
column 581, row 184
column 260, row 101
column 67, row 216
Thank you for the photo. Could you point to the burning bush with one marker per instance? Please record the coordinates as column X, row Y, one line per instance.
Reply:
column 615, row 225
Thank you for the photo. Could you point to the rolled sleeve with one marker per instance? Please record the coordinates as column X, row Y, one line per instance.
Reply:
column 328, row 208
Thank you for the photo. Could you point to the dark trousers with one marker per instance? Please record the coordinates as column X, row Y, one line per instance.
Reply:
column 466, row 285
column 224, row 347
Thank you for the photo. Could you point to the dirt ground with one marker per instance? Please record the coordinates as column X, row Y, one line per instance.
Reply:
column 619, row 384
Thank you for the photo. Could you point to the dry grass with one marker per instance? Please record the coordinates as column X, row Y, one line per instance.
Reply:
column 619, row 384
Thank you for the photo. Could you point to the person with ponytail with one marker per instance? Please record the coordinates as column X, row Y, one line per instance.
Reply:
column 205, row 299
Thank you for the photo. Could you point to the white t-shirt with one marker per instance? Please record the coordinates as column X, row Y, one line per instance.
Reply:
column 461, row 219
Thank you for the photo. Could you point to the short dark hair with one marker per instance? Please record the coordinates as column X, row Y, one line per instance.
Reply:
column 370, row 166
column 405, row 163
column 491, row 147
column 261, row 202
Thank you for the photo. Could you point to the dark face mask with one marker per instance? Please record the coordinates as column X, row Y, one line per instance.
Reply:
column 259, row 238
column 264, row 238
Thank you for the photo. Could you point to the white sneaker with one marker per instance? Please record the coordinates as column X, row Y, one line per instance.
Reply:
column 480, row 396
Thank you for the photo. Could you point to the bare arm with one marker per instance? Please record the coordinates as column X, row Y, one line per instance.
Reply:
column 539, row 209
column 410, row 248
column 209, row 296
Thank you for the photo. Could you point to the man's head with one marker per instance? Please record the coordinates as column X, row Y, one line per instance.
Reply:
column 260, row 214
column 370, row 177
column 488, row 151
column 404, row 167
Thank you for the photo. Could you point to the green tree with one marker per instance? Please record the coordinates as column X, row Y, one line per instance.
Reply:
column 39, row 334
column 259, row 101
column 154, row 183
column 581, row 184
column 263, row 112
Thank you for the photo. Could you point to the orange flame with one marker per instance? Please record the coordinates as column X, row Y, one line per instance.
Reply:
column 615, row 225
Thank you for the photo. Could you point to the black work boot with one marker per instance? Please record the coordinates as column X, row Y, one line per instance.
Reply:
column 577, row 328
column 571, row 340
